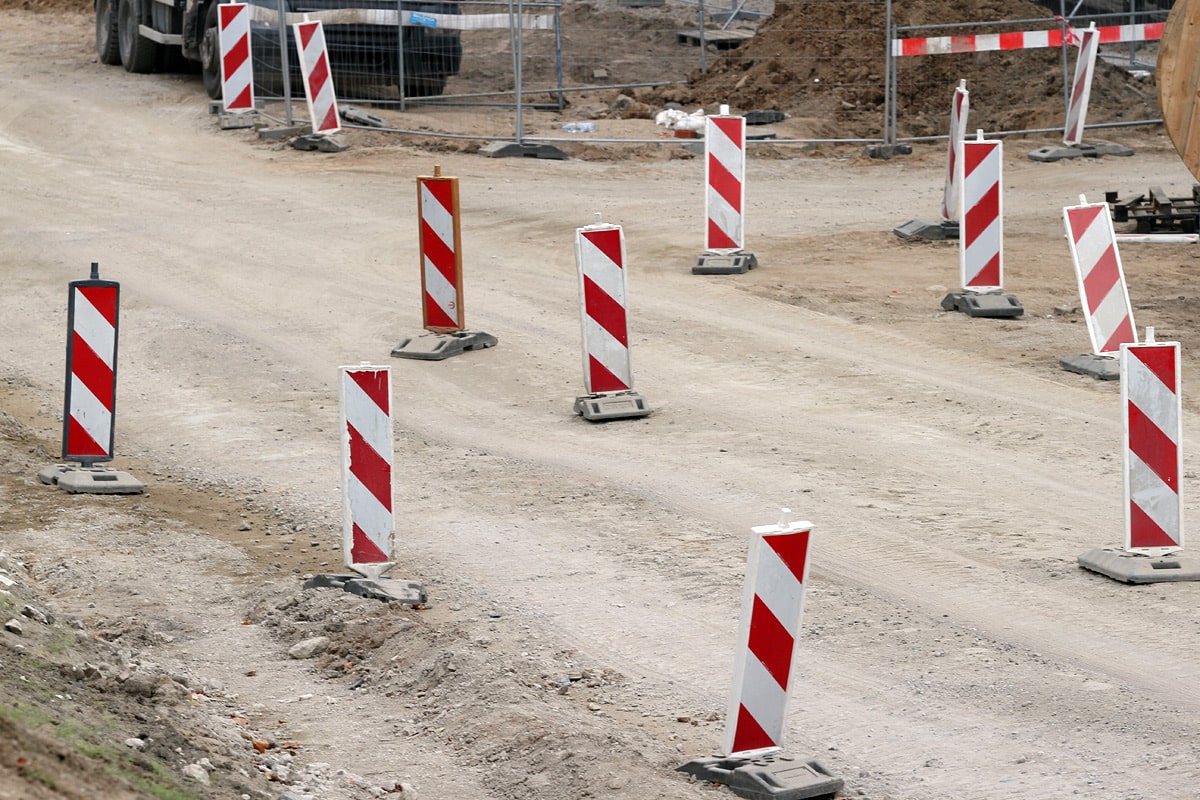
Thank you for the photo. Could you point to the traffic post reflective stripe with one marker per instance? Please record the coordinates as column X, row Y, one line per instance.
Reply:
column 441, row 254
column 91, row 393
column 600, row 256
column 318, row 80
column 724, row 181
column 1101, row 279
column 772, row 608
column 237, row 71
column 1153, row 448
column 366, row 431
column 981, row 215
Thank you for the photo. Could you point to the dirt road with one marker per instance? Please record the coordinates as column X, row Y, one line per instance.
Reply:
column 951, row 649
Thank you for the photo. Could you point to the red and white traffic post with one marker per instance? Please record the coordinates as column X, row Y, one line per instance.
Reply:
column 318, row 79
column 1088, row 41
column 981, row 233
column 1102, row 292
column 439, row 238
column 607, row 369
column 1081, row 86
column 960, row 109
column 90, row 407
column 237, row 65
column 365, row 424
column 1152, row 456
column 947, row 226
column 724, row 197
column 764, row 665
column 368, row 518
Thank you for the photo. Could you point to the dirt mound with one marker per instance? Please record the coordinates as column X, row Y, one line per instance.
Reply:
column 825, row 61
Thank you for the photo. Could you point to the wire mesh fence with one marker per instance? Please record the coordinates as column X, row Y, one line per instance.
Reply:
column 490, row 69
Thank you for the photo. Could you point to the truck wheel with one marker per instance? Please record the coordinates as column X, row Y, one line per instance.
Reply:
column 108, row 47
column 424, row 86
column 138, row 53
column 210, row 53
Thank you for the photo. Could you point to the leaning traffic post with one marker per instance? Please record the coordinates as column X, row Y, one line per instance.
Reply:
column 1152, row 416
column 981, row 234
column 237, row 66
column 754, row 764
column 1102, row 293
column 90, row 407
column 368, row 519
column 318, row 89
column 607, row 369
column 1077, row 104
column 724, row 197
column 440, row 243
column 947, row 226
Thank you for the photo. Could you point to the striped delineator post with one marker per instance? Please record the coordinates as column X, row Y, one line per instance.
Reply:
column 1152, row 412
column 90, row 403
column 764, row 663
column 724, row 196
column 772, row 605
column 439, row 237
column 981, row 215
column 440, row 240
column 1100, row 277
column 960, row 109
column 724, row 182
column 318, row 80
column 607, row 369
column 947, row 227
column 1081, row 87
column 1152, row 456
column 981, row 232
column 89, row 417
column 365, row 423
column 237, row 70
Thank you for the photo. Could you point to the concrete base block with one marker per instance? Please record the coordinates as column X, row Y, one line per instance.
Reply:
column 523, row 150
column 279, row 134
column 319, row 142
column 934, row 231
column 887, row 151
column 439, row 346
column 1127, row 567
column 1094, row 150
column 389, row 590
column 1102, row 368
column 237, row 120
column 724, row 264
column 770, row 777
column 90, row 480
column 984, row 304
column 614, row 405
column 356, row 116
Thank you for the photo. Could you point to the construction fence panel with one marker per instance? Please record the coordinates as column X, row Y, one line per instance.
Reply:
column 497, row 69
column 1019, row 73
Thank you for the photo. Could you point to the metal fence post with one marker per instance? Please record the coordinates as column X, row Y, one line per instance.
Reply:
column 889, row 80
column 284, row 67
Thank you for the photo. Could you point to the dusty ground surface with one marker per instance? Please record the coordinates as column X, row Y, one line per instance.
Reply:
column 584, row 580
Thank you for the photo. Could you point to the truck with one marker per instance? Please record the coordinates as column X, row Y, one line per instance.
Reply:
column 166, row 35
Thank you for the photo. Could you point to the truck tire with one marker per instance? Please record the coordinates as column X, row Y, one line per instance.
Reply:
column 424, row 85
column 138, row 53
column 210, row 53
column 108, row 46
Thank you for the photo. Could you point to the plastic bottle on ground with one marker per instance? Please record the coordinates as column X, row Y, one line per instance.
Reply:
column 580, row 127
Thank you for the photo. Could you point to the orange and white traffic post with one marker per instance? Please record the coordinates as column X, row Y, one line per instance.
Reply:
column 439, row 240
